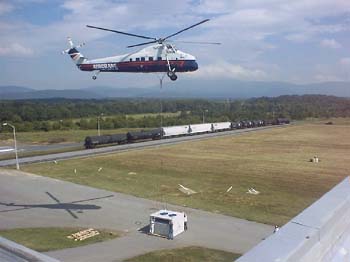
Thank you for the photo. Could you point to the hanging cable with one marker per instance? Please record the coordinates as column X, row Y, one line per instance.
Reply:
column 161, row 78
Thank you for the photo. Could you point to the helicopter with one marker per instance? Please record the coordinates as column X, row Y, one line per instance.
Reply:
column 162, row 56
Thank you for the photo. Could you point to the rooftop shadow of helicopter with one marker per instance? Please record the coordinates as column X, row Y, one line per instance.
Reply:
column 68, row 206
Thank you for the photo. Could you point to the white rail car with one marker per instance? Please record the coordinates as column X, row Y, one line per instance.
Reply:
column 222, row 126
column 172, row 131
column 201, row 128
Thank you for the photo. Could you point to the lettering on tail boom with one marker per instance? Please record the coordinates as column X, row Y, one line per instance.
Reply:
column 105, row 67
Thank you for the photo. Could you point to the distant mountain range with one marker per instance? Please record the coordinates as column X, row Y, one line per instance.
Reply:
column 18, row 92
column 14, row 89
column 184, row 89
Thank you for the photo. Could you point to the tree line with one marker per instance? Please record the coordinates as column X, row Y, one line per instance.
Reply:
column 59, row 114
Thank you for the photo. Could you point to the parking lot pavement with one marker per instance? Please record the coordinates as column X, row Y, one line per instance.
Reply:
column 28, row 200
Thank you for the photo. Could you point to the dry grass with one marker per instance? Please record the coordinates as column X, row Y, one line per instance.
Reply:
column 274, row 162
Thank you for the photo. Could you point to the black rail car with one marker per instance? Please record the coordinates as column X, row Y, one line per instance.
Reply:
column 93, row 141
column 281, row 121
column 243, row 124
column 257, row 123
column 246, row 124
column 236, row 125
column 144, row 135
column 269, row 122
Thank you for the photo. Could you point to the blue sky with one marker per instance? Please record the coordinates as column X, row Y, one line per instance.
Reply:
column 299, row 41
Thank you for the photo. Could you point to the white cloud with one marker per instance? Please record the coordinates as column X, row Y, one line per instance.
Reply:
column 327, row 78
column 241, row 24
column 10, row 6
column 330, row 43
column 299, row 37
column 338, row 71
column 227, row 70
column 345, row 61
column 15, row 49
column 5, row 8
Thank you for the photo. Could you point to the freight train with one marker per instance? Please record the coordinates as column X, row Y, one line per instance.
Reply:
column 176, row 131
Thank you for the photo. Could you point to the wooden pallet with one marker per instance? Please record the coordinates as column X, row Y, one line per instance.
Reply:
column 84, row 234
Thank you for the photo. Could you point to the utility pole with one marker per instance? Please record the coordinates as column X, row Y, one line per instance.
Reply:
column 203, row 118
column 98, row 124
column 14, row 138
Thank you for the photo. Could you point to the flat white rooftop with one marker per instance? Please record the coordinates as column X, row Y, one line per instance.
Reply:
column 319, row 233
column 13, row 252
column 167, row 214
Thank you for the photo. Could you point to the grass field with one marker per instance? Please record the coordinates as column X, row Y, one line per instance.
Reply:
column 74, row 135
column 48, row 239
column 187, row 254
column 57, row 136
column 274, row 162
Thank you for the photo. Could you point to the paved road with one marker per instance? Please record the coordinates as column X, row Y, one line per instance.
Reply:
column 28, row 200
column 33, row 148
column 127, row 147
column 38, row 148
column 5, row 149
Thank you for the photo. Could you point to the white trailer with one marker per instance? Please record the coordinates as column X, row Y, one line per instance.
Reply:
column 166, row 223
column 170, row 131
column 201, row 128
column 221, row 126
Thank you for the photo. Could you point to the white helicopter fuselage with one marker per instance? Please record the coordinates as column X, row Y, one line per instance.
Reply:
column 155, row 58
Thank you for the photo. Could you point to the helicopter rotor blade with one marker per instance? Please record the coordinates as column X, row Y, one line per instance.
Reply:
column 195, row 42
column 119, row 32
column 155, row 40
column 145, row 43
column 179, row 32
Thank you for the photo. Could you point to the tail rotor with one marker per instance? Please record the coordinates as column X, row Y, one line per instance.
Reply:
column 73, row 52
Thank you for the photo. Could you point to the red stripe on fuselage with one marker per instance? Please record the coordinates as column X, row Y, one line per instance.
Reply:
column 137, row 66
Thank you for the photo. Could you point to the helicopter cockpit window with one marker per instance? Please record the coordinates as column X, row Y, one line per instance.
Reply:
column 142, row 59
column 137, row 59
column 150, row 58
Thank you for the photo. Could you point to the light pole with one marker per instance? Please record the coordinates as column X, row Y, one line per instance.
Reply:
column 14, row 138
column 98, row 124
column 206, row 110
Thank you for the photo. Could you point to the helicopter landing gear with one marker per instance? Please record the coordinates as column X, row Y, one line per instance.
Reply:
column 172, row 75
column 171, row 71
column 94, row 77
